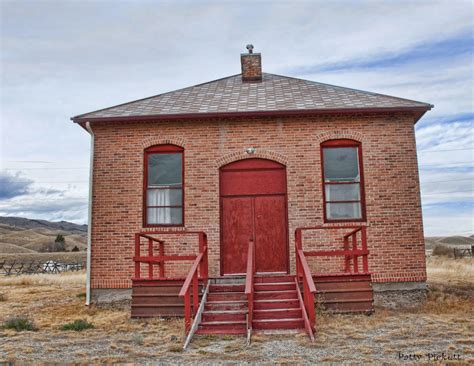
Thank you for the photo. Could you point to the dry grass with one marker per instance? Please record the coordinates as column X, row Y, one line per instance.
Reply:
column 443, row 324
column 67, row 278
column 448, row 271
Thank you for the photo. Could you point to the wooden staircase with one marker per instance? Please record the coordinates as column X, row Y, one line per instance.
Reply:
column 276, row 304
column 225, row 311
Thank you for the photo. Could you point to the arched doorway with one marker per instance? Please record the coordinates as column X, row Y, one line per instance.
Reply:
column 253, row 204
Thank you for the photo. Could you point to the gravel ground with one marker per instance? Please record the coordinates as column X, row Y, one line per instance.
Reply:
column 443, row 325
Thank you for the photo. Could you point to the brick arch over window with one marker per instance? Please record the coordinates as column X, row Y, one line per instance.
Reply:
column 259, row 153
column 340, row 135
column 163, row 140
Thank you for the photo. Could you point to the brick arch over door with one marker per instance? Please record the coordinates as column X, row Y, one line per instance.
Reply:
column 259, row 154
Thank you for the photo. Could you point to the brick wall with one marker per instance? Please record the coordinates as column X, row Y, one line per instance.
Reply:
column 395, row 233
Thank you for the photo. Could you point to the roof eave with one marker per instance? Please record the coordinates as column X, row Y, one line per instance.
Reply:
column 419, row 110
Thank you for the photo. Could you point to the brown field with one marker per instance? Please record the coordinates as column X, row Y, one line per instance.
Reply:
column 443, row 324
column 19, row 235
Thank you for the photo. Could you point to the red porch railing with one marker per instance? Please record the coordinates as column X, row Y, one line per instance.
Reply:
column 350, row 252
column 153, row 259
column 198, row 272
column 249, row 287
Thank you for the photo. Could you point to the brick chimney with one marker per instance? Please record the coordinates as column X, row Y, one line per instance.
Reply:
column 251, row 65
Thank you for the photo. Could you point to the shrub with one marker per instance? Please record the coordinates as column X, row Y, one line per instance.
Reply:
column 443, row 250
column 19, row 323
column 77, row 325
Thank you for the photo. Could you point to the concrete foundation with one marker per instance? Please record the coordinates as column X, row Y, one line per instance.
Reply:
column 398, row 295
column 111, row 297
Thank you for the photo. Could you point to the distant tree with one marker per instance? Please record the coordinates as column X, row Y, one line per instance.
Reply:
column 75, row 249
column 59, row 244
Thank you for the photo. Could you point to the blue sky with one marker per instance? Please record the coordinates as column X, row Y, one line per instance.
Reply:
column 62, row 58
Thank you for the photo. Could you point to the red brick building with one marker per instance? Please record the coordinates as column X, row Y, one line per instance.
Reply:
column 256, row 156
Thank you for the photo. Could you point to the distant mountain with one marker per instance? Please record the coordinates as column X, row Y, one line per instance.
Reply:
column 21, row 235
column 23, row 223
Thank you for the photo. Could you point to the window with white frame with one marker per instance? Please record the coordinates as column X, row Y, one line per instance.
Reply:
column 343, row 181
column 164, row 186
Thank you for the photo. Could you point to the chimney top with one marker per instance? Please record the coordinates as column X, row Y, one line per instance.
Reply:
column 251, row 65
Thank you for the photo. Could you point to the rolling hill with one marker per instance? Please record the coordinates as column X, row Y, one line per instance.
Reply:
column 21, row 235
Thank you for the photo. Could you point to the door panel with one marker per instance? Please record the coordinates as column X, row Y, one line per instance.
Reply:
column 237, row 229
column 270, row 234
column 253, row 183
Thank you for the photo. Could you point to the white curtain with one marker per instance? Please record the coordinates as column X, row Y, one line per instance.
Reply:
column 159, row 197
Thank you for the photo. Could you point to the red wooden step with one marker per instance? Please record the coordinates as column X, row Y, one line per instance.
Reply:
column 344, row 290
column 227, row 288
column 276, row 304
column 221, row 331
column 226, row 315
column 266, row 295
column 275, row 286
column 342, row 277
column 273, row 279
column 225, row 305
column 347, row 295
column 223, row 326
column 290, row 323
column 277, row 313
column 226, row 296
column 343, row 285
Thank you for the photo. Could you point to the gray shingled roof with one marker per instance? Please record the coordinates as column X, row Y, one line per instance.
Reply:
column 275, row 93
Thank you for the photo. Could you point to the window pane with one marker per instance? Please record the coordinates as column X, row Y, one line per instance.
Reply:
column 341, row 164
column 164, row 216
column 164, row 197
column 343, row 211
column 164, row 169
column 342, row 192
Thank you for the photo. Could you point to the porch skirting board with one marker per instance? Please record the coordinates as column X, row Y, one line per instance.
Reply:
column 112, row 297
column 397, row 295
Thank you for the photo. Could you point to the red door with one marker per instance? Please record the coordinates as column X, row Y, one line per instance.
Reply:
column 253, row 206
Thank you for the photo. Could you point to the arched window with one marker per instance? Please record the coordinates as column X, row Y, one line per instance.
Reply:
column 164, row 186
column 343, row 181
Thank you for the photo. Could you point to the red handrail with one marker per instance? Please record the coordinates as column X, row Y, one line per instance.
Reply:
column 199, row 267
column 309, row 289
column 249, row 281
